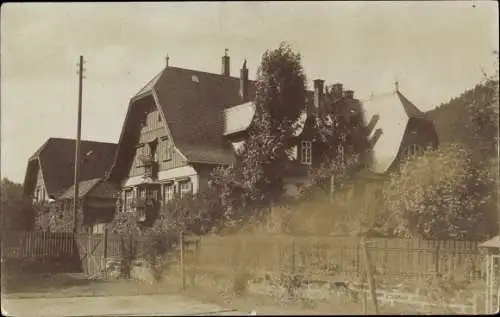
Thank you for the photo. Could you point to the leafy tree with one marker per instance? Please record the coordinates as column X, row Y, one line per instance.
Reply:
column 281, row 85
column 255, row 180
column 443, row 194
column 200, row 213
column 16, row 211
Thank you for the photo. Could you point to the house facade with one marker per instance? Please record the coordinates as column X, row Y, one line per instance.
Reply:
column 50, row 171
column 184, row 123
column 172, row 137
column 96, row 207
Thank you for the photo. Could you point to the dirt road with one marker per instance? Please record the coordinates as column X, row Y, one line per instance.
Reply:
column 151, row 305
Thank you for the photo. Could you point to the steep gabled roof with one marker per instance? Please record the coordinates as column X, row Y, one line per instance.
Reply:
column 192, row 103
column 56, row 158
column 83, row 188
column 394, row 111
column 96, row 188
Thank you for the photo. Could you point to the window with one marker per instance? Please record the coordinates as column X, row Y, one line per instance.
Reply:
column 185, row 188
column 168, row 192
column 129, row 196
column 98, row 228
column 152, row 149
column 168, row 150
column 138, row 154
column 306, row 152
column 292, row 153
column 141, row 193
column 42, row 194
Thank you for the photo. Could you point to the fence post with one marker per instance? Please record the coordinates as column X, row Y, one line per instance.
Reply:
column 474, row 304
column 436, row 258
column 369, row 274
column 183, row 273
column 364, row 300
column 358, row 272
column 105, row 252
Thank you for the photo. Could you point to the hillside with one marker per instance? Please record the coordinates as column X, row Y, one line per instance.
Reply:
column 458, row 120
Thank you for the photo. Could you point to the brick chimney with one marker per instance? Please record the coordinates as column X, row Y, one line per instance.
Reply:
column 225, row 63
column 244, row 82
column 349, row 94
column 318, row 92
column 337, row 91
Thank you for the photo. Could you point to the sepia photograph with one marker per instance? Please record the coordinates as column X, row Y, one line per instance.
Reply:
column 249, row 158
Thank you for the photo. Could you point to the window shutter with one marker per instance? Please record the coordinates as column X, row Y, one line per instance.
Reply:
column 168, row 150
column 138, row 155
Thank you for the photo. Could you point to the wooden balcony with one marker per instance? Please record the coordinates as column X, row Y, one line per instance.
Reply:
column 150, row 166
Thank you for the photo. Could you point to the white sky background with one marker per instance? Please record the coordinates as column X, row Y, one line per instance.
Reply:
column 435, row 50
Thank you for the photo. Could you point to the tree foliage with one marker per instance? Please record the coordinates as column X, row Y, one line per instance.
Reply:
column 16, row 211
column 255, row 180
column 443, row 194
column 281, row 87
column 472, row 118
column 200, row 213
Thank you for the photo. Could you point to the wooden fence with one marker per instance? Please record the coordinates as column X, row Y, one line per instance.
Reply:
column 35, row 244
column 96, row 255
column 324, row 257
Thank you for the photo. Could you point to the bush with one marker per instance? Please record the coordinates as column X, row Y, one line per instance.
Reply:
column 443, row 194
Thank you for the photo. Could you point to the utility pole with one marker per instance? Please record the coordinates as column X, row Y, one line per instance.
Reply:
column 77, row 145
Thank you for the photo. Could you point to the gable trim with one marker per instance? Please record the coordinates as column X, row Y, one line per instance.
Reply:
column 43, row 178
column 165, row 123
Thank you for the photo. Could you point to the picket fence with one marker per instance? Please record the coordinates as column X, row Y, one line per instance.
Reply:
column 323, row 257
column 93, row 254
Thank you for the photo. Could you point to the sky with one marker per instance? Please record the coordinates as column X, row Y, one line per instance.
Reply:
column 435, row 50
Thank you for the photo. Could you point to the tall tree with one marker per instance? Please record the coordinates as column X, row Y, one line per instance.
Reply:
column 281, row 85
column 256, row 178
column 340, row 129
column 16, row 211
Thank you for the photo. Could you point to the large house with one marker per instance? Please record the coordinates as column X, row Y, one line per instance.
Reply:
column 50, row 170
column 184, row 123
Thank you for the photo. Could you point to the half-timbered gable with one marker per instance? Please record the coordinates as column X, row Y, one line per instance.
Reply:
column 172, row 137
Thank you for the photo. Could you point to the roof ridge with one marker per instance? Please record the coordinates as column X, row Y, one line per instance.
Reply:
column 155, row 77
column 70, row 139
column 410, row 108
column 206, row 73
column 37, row 153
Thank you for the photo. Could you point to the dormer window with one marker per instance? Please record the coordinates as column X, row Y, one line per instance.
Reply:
column 306, row 152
